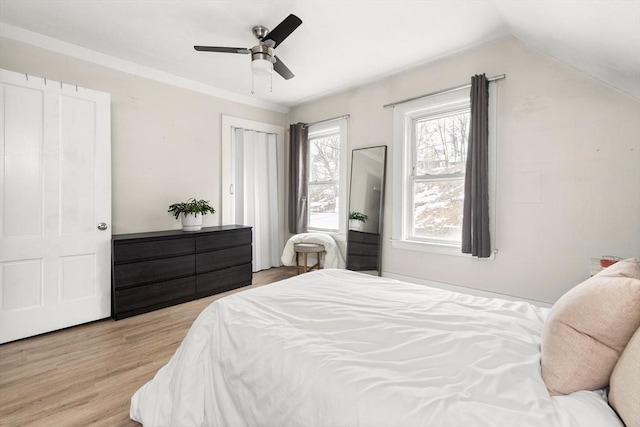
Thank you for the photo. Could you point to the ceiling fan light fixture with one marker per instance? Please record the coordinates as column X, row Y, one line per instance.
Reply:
column 262, row 60
column 261, row 67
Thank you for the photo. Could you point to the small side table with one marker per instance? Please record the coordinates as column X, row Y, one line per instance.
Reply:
column 305, row 249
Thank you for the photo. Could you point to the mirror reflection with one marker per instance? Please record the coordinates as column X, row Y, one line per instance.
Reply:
column 365, row 209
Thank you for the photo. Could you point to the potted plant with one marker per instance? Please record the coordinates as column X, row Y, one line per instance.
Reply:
column 191, row 211
column 357, row 220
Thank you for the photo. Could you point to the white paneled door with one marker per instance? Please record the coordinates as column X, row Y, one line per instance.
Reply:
column 55, row 206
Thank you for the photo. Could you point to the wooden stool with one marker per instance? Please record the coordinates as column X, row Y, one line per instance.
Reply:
column 305, row 249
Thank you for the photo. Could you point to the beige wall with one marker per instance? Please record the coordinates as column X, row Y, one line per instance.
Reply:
column 165, row 139
column 568, row 168
column 577, row 138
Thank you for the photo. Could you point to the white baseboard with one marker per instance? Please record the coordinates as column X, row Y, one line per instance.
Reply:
column 462, row 289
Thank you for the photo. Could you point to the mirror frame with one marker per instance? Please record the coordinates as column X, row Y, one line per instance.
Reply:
column 380, row 207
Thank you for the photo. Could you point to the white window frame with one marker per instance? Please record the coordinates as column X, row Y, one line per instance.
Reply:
column 319, row 129
column 403, row 140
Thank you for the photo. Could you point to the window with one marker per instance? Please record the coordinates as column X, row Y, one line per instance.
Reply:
column 437, row 178
column 430, row 140
column 327, row 170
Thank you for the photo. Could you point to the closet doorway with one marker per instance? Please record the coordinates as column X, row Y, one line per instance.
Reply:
column 253, row 183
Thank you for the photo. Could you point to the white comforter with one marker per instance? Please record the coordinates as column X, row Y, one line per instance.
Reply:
column 338, row 348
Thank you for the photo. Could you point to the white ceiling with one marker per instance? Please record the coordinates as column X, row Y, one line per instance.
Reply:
column 340, row 44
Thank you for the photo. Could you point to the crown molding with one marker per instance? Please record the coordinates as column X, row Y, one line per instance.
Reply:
column 78, row 52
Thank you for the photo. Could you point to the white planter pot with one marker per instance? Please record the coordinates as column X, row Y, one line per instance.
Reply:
column 191, row 222
column 356, row 225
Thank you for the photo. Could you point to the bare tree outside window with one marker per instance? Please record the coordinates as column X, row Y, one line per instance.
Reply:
column 324, row 178
column 438, row 176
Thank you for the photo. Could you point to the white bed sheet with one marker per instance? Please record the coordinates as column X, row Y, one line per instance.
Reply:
column 338, row 348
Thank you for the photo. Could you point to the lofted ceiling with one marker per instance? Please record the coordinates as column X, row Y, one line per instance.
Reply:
column 341, row 44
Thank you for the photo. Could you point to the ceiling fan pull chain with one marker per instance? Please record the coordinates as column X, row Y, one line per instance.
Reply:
column 271, row 77
column 252, row 85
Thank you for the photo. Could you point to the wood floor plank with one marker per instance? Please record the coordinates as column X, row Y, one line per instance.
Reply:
column 86, row 375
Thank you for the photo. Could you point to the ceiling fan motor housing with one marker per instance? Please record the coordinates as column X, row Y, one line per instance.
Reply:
column 262, row 51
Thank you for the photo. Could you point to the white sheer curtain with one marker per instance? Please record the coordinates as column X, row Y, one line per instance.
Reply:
column 256, row 193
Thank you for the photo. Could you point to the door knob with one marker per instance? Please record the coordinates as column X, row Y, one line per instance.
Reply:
column 102, row 226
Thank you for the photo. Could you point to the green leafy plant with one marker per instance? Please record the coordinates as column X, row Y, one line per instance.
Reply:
column 358, row 216
column 191, row 206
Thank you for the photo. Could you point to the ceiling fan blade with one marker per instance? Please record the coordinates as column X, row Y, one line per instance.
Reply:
column 282, row 69
column 222, row 49
column 282, row 31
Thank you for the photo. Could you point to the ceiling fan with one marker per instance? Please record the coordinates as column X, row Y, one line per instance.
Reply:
column 263, row 61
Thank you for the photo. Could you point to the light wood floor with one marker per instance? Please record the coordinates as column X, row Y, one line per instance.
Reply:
column 86, row 375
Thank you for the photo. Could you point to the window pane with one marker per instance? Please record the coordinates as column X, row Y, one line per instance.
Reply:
column 437, row 209
column 441, row 144
column 324, row 177
column 323, row 206
column 324, row 158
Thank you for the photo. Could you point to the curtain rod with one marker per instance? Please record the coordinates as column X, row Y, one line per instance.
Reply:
column 346, row 116
column 451, row 89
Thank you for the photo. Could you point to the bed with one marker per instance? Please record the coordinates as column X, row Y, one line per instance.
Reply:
column 340, row 348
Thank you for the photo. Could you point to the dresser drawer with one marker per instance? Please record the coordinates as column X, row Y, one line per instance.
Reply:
column 360, row 262
column 215, row 260
column 359, row 236
column 223, row 239
column 126, row 275
column 156, row 293
column 128, row 252
column 225, row 279
column 358, row 248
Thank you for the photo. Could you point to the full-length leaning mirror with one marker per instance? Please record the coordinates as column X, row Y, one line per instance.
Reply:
column 366, row 198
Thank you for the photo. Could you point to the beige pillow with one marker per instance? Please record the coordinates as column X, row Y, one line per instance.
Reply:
column 624, row 392
column 588, row 328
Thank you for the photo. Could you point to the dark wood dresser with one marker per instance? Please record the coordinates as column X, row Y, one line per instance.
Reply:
column 363, row 251
column 163, row 268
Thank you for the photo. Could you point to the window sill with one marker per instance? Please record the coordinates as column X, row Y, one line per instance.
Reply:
column 434, row 248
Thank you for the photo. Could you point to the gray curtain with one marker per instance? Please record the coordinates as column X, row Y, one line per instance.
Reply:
column 475, row 221
column 298, row 188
